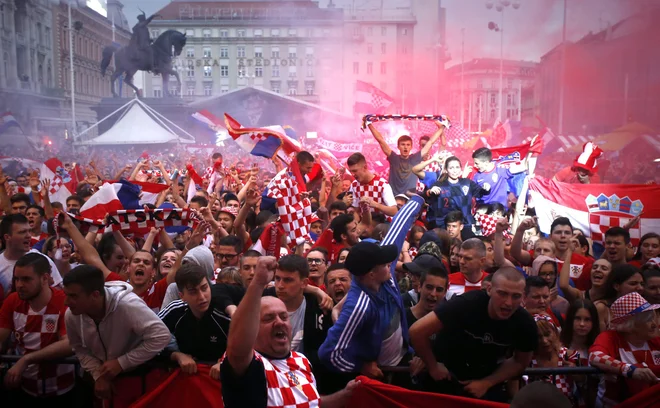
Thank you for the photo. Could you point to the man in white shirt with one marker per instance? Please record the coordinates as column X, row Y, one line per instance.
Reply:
column 15, row 235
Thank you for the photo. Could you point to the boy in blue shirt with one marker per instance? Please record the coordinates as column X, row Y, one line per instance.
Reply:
column 492, row 177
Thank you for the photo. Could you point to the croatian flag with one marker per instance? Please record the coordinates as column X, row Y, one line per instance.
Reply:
column 111, row 197
column 8, row 120
column 264, row 142
column 594, row 208
column 209, row 119
column 369, row 99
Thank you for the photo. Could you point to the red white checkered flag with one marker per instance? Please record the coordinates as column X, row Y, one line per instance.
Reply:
column 457, row 136
column 55, row 184
column 296, row 219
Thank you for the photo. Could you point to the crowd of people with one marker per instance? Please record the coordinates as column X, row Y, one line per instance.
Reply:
column 429, row 266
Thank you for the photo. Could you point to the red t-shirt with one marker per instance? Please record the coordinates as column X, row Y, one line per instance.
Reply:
column 34, row 240
column 326, row 241
column 34, row 330
column 114, row 276
column 155, row 295
column 566, row 175
column 636, row 263
column 580, row 269
column 458, row 284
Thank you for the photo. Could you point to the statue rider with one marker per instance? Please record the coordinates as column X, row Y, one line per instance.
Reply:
column 141, row 41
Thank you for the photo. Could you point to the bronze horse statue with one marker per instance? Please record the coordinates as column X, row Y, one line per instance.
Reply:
column 167, row 46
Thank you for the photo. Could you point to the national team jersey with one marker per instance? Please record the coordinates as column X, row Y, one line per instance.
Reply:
column 378, row 189
column 496, row 182
column 455, row 197
column 580, row 269
column 34, row 330
column 155, row 295
column 458, row 284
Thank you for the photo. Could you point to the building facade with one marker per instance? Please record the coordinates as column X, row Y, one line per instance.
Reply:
column 288, row 48
column 480, row 79
column 92, row 32
column 28, row 87
column 610, row 78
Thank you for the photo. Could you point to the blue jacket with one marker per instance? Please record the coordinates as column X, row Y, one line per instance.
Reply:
column 357, row 335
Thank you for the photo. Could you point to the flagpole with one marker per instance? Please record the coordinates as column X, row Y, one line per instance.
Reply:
column 73, row 84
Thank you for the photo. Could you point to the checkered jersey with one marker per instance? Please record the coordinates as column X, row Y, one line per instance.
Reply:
column 561, row 381
column 290, row 382
column 296, row 218
column 33, row 331
column 459, row 285
column 378, row 189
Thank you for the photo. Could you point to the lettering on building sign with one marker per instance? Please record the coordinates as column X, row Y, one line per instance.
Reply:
column 252, row 62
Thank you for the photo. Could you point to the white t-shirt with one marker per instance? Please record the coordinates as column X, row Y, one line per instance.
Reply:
column 7, row 271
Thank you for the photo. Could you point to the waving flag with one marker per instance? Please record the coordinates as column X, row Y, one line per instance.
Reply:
column 8, row 120
column 594, row 208
column 112, row 197
column 264, row 142
column 369, row 99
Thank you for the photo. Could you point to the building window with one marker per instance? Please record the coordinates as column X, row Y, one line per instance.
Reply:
column 310, row 72
column 275, row 87
column 155, row 34
column 258, row 52
column 208, row 90
column 190, row 71
column 275, row 52
column 404, row 31
column 224, row 89
column 224, row 52
column 370, row 31
column 224, row 33
column 190, row 32
column 275, row 71
column 292, row 90
column 383, row 48
column 258, row 72
column 240, row 33
column 274, row 32
column 207, row 52
column 293, row 71
column 190, row 52
column 383, row 31
column 356, row 67
column 258, row 32
column 370, row 68
column 293, row 32
column 206, row 33
column 309, row 88
column 208, row 71
column 383, row 67
column 357, row 32
column 240, row 51
column 47, row 37
column 492, row 99
column 224, row 70
column 509, row 100
column 191, row 91
column 309, row 52
column 158, row 93
column 370, row 48
column 293, row 52
column 492, row 114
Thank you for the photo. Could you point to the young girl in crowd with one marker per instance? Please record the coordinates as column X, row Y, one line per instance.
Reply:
column 649, row 248
column 623, row 279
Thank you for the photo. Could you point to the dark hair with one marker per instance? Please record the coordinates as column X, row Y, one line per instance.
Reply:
column 494, row 207
column 618, row 275
column 483, row 153
column 445, row 174
column 338, row 225
column 36, row 260
column 335, row 267
column 158, row 256
column 89, row 277
column 20, row 197
column 618, row 232
column 77, row 198
column 321, row 250
column 263, row 218
column 425, row 137
column 8, row 222
column 339, row 253
column 650, row 235
column 189, row 275
column 202, row 201
column 230, row 197
column 304, row 157
column 567, row 331
column 39, row 208
column 294, row 263
column 435, row 271
column 256, row 233
column 106, row 246
column 583, row 243
column 216, row 156
column 356, row 158
column 454, row 216
column 250, row 253
column 650, row 270
column 534, row 282
column 404, row 138
column 338, row 205
column 232, row 241
column 560, row 221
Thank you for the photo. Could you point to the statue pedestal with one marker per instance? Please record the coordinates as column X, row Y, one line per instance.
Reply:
column 174, row 109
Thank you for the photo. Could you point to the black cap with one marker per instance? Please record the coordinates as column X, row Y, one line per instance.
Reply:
column 365, row 256
column 422, row 263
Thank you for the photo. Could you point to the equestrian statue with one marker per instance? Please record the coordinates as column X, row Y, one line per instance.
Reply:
column 144, row 54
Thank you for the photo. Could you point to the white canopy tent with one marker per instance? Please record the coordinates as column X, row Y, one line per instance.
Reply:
column 138, row 124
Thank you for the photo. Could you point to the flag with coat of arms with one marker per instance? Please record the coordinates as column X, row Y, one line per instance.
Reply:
column 369, row 99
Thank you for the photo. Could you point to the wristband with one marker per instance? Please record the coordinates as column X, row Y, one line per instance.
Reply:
column 630, row 372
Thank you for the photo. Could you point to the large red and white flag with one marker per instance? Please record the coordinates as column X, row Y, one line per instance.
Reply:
column 594, row 208
column 369, row 99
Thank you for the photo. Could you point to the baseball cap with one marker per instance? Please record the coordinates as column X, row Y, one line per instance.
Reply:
column 422, row 263
column 403, row 196
column 364, row 256
column 229, row 210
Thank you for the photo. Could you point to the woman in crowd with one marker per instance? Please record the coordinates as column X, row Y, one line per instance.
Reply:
column 550, row 353
column 453, row 259
column 546, row 268
column 60, row 252
column 341, row 258
column 111, row 254
column 165, row 261
column 628, row 353
column 649, row 248
column 623, row 279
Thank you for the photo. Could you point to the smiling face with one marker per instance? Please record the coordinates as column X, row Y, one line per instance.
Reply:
column 141, row 269
column 600, row 271
column 454, row 170
column 274, row 337
column 482, row 165
column 650, row 248
column 167, row 262
column 633, row 284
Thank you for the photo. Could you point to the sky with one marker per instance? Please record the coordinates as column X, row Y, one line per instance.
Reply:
column 529, row 32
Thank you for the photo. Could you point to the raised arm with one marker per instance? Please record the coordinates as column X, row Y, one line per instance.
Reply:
column 88, row 253
column 434, row 138
column 498, row 243
column 570, row 292
column 517, row 251
column 418, row 169
column 381, row 141
column 246, row 319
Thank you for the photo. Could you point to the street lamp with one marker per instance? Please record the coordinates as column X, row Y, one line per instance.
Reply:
column 499, row 7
